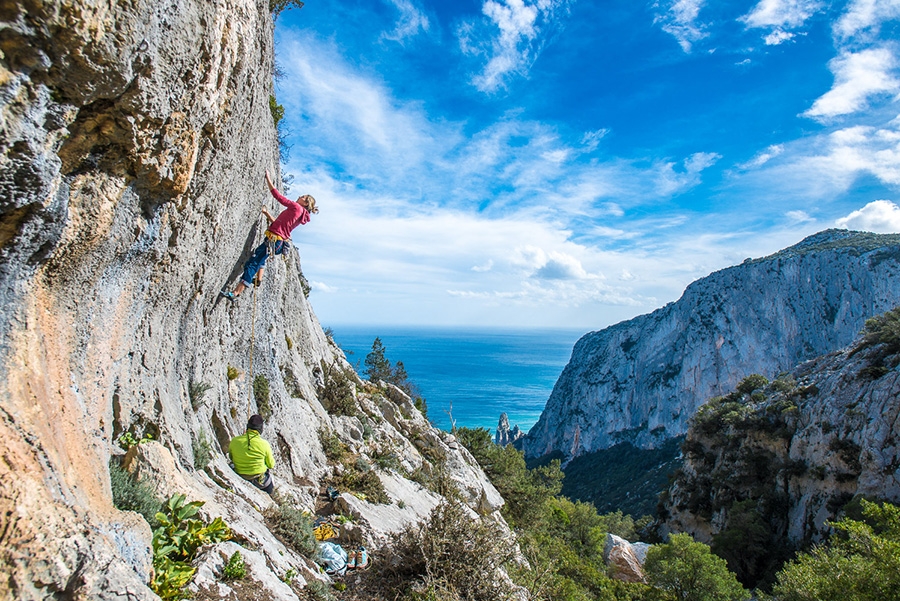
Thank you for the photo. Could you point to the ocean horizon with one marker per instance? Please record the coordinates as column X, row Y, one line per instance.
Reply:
column 480, row 373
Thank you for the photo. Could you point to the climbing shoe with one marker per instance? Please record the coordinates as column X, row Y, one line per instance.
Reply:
column 228, row 295
column 362, row 559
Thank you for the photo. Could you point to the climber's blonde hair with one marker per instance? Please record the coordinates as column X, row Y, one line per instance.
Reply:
column 310, row 203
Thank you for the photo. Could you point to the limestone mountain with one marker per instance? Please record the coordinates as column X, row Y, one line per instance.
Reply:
column 766, row 465
column 640, row 381
column 135, row 138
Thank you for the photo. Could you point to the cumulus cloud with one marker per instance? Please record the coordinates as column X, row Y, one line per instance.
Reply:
column 321, row 287
column 857, row 77
column 781, row 13
column 681, row 21
column 410, row 22
column 865, row 15
column 880, row 216
column 511, row 39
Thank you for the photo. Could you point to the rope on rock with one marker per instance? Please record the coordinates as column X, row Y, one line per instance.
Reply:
column 252, row 345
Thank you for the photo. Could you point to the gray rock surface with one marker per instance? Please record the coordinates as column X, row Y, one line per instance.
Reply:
column 641, row 380
column 135, row 137
column 506, row 435
column 624, row 559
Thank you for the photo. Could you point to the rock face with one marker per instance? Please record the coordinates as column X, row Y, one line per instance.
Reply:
column 791, row 454
column 135, row 137
column 641, row 380
column 506, row 435
column 624, row 559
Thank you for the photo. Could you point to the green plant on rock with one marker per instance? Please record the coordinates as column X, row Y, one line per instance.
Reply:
column 261, row 394
column 336, row 391
column 235, row 569
column 883, row 329
column 133, row 494
column 293, row 526
column 203, row 450
column 127, row 440
column 319, row 591
column 365, row 484
column 175, row 544
column 232, row 373
column 690, row 572
column 196, row 392
column 332, row 446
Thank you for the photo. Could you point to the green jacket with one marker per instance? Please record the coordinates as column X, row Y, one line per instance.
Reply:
column 250, row 453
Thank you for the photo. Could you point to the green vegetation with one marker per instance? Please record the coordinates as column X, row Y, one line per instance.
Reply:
column 687, row 571
column 860, row 563
column 359, row 479
column 288, row 342
column 203, row 450
column 232, row 373
column 859, row 242
column 196, row 392
column 277, row 6
column 261, row 394
column 127, row 440
column 175, row 544
column 132, row 494
column 336, row 391
column 332, row 446
column 883, row 329
column 292, row 526
column 451, row 557
column 379, row 367
column 235, row 569
column 319, row 591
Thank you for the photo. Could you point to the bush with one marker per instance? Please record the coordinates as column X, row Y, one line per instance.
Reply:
column 132, row 494
column 293, row 526
column 235, row 569
column 336, row 391
column 689, row 571
column 452, row 551
column 232, row 372
column 261, row 394
column 860, row 563
column 883, row 329
column 203, row 451
column 365, row 484
column 332, row 446
column 196, row 392
column 751, row 383
column 319, row 591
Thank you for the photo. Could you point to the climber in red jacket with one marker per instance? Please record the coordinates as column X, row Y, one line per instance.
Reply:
column 278, row 236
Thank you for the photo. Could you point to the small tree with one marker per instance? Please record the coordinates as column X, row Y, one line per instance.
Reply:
column 690, row 572
column 377, row 365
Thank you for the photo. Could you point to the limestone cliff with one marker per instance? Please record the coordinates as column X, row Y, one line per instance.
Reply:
column 766, row 465
column 641, row 380
column 135, row 137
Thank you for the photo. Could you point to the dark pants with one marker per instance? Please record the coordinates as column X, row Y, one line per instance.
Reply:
column 262, row 481
column 258, row 259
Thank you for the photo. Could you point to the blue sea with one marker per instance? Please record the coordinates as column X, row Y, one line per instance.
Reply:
column 483, row 373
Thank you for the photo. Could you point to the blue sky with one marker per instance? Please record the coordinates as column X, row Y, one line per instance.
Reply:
column 554, row 163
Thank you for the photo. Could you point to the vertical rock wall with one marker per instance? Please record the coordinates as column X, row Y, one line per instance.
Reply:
column 135, row 136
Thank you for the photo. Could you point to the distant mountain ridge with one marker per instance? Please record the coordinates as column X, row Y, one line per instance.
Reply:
column 641, row 380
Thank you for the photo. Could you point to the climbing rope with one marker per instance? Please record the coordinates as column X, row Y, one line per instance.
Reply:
column 252, row 345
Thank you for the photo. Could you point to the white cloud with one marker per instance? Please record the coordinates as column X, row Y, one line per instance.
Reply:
column 512, row 39
column 484, row 267
column 880, row 216
column 781, row 14
column 798, row 217
column 763, row 157
column 865, row 15
column 591, row 139
column 699, row 161
column 681, row 21
column 410, row 22
column 857, row 77
column 778, row 37
column 322, row 287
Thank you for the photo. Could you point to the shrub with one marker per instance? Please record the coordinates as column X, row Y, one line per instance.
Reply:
column 203, row 451
column 336, row 391
column 235, row 569
column 690, row 572
column 364, row 484
column 861, row 562
column 196, row 391
column 452, row 551
column 883, row 329
column 751, row 383
column 127, row 440
column 319, row 591
column 261, row 394
column 133, row 494
column 332, row 446
column 293, row 526
column 232, row 372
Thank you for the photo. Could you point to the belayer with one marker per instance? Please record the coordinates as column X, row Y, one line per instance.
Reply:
column 277, row 238
column 252, row 456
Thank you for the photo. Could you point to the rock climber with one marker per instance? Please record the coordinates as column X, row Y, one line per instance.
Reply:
column 277, row 238
column 252, row 456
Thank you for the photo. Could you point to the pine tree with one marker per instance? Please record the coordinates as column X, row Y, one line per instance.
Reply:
column 378, row 367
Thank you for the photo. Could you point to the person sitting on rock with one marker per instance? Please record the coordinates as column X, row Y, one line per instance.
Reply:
column 277, row 238
column 252, row 456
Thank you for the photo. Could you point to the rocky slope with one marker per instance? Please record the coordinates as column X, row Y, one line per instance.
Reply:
column 135, row 137
column 641, row 380
column 768, row 464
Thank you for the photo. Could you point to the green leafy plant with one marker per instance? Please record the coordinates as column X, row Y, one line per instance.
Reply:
column 203, row 450
column 332, row 446
column 196, row 392
column 289, row 575
column 232, row 372
column 235, row 569
column 127, row 440
column 883, row 329
column 319, row 591
column 336, row 391
column 175, row 544
column 690, row 572
column 261, row 394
